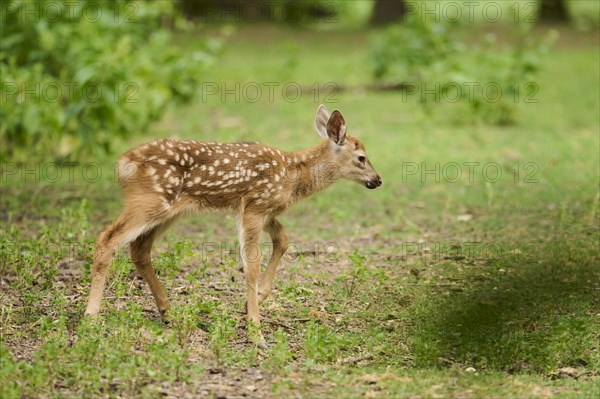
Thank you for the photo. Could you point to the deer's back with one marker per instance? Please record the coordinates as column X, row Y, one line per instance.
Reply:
column 205, row 175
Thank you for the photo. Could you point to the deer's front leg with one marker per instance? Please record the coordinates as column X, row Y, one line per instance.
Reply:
column 250, row 231
column 280, row 244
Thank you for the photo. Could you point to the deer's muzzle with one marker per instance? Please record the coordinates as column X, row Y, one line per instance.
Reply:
column 374, row 183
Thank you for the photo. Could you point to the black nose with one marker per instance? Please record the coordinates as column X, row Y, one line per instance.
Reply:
column 376, row 182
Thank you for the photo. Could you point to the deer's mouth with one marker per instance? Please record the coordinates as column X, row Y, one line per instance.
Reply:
column 374, row 183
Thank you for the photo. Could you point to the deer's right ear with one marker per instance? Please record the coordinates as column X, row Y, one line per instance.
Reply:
column 321, row 120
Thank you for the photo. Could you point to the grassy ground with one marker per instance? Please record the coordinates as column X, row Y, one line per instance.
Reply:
column 423, row 288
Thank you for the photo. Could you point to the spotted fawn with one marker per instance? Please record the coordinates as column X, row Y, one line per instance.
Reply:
column 166, row 178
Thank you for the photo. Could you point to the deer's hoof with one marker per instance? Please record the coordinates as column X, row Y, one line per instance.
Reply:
column 164, row 316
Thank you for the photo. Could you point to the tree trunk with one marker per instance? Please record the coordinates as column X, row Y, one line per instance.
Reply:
column 387, row 11
column 553, row 11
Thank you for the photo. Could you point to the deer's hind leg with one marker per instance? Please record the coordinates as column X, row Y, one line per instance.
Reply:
column 131, row 224
column 140, row 250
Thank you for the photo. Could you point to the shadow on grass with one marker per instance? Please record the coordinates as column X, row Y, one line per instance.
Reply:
column 539, row 313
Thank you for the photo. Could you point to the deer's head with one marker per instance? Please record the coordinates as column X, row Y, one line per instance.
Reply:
column 347, row 152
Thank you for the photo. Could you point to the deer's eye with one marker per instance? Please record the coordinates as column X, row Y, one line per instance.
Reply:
column 362, row 159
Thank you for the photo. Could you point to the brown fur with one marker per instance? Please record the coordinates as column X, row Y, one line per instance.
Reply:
column 168, row 177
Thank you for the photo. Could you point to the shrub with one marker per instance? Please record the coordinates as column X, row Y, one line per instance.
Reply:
column 421, row 56
column 75, row 75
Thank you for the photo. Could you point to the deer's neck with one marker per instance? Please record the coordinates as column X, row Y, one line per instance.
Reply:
column 311, row 170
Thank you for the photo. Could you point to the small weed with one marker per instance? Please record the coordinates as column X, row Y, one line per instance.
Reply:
column 170, row 262
column 280, row 356
column 323, row 344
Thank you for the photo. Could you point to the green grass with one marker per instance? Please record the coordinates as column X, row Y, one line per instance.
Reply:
column 435, row 289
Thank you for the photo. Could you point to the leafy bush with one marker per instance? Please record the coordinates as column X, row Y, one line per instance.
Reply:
column 77, row 74
column 422, row 57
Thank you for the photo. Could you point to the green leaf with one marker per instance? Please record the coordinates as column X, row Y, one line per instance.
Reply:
column 31, row 118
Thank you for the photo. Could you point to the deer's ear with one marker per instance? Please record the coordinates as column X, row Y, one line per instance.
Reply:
column 321, row 120
column 336, row 128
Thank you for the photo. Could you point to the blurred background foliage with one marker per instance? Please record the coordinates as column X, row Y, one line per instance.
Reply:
column 423, row 56
column 77, row 75
column 71, row 87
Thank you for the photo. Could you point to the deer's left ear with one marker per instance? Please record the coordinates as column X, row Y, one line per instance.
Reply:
column 336, row 128
column 321, row 120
